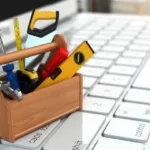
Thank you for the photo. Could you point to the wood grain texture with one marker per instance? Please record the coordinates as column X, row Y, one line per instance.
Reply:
column 6, row 131
column 41, row 107
column 58, row 41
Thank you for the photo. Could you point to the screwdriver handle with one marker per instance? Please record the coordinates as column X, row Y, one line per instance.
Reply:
column 58, row 42
column 10, row 76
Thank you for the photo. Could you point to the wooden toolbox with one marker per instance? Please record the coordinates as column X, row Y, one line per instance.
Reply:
column 39, row 107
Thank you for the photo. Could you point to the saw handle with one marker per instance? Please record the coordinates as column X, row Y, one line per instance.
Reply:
column 58, row 42
column 42, row 15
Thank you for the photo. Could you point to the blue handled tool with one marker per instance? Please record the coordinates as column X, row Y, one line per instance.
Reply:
column 10, row 77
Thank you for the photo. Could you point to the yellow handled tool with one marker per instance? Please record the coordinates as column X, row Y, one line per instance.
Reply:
column 42, row 36
column 18, row 41
column 70, row 66
column 41, row 15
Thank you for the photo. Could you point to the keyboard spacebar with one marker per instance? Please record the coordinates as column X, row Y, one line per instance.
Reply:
column 143, row 79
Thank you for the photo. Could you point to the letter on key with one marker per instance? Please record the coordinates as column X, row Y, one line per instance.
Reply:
column 76, row 132
column 128, row 130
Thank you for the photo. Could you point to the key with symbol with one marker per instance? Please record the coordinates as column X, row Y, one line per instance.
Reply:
column 106, row 91
column 133, row 111
column 128, row 130
column 79, row 130
column 98, row 105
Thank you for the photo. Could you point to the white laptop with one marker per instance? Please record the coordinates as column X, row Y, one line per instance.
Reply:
column 116, row 84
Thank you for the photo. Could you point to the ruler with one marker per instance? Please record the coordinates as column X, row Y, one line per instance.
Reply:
column 18, row 41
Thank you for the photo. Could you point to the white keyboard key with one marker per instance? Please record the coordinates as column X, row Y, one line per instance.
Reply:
column 88, row 82
column 98, row 105
column 34, row 139
column 138, row 96
column 124, row 70
column 141, row 42
column 76, row 42
column 96, row 42
column 143, row 81
column 99, row 63
column 72, row 48
column 137, row 24
column 119, row 43
column 115, row 80
column 80, row 37
column 129, row 61
column 144, row 37
column 134, row 54
column 132, row 29
column 100, row 37
column 113, row 48
column 76, row 132
column 106, row 91
column 129, row 130
column 86, row 32
column 126, row 38
column 4, row 147
column 137, row 47
column 109, row 33
column 91, row 71
column 84, row 91
column 95, row 48
column 114, row 144
column 129, row 33
column 107, row 55
column 134, row 111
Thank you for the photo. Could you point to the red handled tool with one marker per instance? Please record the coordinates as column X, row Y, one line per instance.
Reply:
column 60, row 55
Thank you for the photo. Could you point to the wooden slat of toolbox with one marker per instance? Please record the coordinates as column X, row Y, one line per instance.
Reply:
column 42, row 107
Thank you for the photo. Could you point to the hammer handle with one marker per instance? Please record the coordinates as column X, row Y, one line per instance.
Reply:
column 14, row 56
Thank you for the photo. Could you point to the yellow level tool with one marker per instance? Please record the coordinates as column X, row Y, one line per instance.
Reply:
column 70, row 66
column 18, row 41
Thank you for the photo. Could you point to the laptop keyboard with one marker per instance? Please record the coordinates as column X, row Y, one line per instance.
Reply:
column 116, row 97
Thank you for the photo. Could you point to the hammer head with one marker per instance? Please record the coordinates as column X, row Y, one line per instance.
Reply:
column 61, row 43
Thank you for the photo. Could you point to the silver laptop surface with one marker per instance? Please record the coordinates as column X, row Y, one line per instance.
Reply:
column 116, row 83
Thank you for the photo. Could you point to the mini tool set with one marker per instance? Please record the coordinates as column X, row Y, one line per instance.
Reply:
column 39, row 91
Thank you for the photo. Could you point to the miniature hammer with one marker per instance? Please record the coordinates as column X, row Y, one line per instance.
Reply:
column 58, row 42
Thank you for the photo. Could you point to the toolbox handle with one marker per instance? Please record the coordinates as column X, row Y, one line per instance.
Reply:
column 58, row 42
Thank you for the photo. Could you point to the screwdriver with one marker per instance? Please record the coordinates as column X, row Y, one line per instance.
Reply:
column 60, row 55
column 8, row 68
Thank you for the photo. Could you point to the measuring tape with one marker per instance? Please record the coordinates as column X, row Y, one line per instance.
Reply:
column 18, row 41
